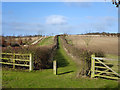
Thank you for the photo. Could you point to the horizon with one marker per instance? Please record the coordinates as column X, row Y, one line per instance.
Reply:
column 33, row 18
column 34, row 35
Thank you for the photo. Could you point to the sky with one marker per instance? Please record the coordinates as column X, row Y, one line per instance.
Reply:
column 52, row 18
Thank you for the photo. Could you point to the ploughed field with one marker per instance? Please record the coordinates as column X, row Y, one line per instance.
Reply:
column 109, row 45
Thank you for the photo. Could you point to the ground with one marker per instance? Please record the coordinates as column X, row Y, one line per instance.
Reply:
column 66, row 77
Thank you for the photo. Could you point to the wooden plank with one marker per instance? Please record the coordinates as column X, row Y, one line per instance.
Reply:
column 14, row 59
column 108, row 67
column 104, row 58
column 107, row 77
column 104, row 72
column 15, row 54
column 104, row 63
column 100, row 67
column 15, row 64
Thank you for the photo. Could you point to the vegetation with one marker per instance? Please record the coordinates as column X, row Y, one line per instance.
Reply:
column 115, row 62
column 42, row 55
column 47, row 41
column 104, row 34
column 116, row 2
column 96, row 45
column 12, row 41
column 81, row 55
column 46, row 79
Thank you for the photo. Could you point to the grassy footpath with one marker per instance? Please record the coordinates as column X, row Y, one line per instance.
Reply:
column 47, row 41
column 46, row 79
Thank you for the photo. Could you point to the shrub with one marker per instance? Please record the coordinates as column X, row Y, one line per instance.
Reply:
column 82, row 56
column 42, row 55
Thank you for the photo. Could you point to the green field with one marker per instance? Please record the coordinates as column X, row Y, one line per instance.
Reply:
column 115, row 62
column 47, row 41
column 66, row 77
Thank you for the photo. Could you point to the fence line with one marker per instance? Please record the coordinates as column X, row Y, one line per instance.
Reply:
column 16, row 59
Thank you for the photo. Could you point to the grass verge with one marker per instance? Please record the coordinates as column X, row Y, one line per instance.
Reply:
column 47, row 41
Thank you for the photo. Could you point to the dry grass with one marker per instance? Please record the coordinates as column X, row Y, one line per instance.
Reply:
column 109, row 45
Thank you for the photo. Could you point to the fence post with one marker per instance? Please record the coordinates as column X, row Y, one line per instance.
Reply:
column 13, row 60
column 31, row 63
column 54, row 67
column 92, row 65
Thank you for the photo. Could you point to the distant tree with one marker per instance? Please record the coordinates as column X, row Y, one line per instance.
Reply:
column 4, row 44
column 20, row 41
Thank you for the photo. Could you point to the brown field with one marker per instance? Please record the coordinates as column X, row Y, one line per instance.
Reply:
column 109, row 45
column 32, row 38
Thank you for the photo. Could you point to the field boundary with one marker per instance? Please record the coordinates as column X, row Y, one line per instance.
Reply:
column 14, row 59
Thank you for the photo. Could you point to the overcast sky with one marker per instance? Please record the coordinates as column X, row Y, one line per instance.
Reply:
column 24, row 18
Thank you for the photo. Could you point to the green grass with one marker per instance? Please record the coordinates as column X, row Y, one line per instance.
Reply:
column 46, row 79
column 113, row 62
column 47, row 41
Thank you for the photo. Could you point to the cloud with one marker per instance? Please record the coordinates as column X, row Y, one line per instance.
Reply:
column 56, row 20
column 60, row 24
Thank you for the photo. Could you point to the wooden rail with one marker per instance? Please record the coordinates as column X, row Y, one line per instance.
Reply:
column 16, row 59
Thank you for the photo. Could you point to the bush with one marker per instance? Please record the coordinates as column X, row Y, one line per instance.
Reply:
column 42, row 55
column 82, row 56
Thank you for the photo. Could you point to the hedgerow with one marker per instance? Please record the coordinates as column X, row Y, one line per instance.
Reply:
column 42, row 56
column 82, row 56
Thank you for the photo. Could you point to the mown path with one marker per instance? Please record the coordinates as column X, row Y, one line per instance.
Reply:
column 46, row 79
column 64, row 62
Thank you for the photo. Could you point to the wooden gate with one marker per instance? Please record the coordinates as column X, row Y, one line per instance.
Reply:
column 14, row 59
column 101, row 69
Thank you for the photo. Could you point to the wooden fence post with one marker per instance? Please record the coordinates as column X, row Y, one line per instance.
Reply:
column 13, row 60
column 54, row 67
column 92, row 66
column 31, row 63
